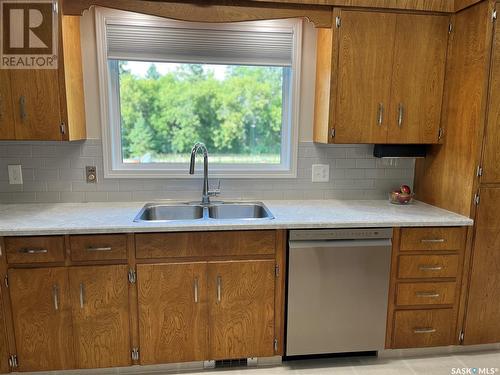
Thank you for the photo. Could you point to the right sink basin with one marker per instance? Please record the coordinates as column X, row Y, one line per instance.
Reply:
column 239, row 210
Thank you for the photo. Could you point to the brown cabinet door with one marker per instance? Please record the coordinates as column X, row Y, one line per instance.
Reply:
column 491, row 156
column 100, row 304
column 35, row 98
column 172, row 312
column 364, row 76
column 6, row 112
column 483, row 305
column 41, row 311
column 4, row 345
column 418, row 78
column 241, row 309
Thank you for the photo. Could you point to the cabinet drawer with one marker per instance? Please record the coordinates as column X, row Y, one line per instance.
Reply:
column 193, row 244
column 42, row 249
column 417, row 239
column 98, row 247
column 425, row 294
column 427, row 266
column 421, row 328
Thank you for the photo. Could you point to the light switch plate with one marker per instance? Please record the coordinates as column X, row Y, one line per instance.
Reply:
column 320, row 173
column 15, row 174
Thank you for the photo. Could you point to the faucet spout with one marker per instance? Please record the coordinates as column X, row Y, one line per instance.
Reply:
column 205, row 198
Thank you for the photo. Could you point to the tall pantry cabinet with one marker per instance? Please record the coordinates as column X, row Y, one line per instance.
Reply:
column 463, row 174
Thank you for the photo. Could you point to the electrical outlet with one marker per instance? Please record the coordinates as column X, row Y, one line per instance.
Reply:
column 15, row 174
column 320, row 173
column 90, row 174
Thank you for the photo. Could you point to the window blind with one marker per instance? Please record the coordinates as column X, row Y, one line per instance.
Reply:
column 171, row 43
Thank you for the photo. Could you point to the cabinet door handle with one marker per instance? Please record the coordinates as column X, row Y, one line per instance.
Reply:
column 432, row 294
column 55, row 296
column 433, row 240
column 82, row 295
column 22, row 107
column 219, row 288
column 380, row 115
column 195, row 290
column 27, row 250
column 1, row 108
column 105, row 248
column 401, row 111
column 424, row 267
column 424, row 330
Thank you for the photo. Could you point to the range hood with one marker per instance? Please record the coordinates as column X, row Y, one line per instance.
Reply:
column 400, row 151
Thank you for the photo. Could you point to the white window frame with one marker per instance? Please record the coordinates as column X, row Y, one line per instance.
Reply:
column 110, row 114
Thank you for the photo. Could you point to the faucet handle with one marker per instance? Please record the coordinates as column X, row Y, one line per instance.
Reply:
column 213, row 192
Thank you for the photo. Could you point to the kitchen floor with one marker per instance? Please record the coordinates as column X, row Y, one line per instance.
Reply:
column 477, row 362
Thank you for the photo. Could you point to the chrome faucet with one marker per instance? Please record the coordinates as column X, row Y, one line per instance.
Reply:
column 206, row 194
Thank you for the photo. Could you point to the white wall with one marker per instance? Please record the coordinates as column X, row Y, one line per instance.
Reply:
column 92, row 89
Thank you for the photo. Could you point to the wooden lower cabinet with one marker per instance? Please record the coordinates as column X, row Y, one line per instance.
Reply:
column 241, row 309
column 206, row 310
column 66, row 309
column 172, row 312
column 424, row 292
column 100, row 306
column 4, row 346
column 41, row 309
column 70, row 317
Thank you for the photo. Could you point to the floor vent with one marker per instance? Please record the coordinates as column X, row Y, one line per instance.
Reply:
column 225, row 363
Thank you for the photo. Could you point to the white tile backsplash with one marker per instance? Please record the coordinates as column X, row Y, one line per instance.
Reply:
column 54, row 172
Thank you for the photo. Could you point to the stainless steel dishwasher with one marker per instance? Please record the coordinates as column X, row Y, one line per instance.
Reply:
column 338, row 282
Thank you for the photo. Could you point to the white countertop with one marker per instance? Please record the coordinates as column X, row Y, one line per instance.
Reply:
column 115, row 217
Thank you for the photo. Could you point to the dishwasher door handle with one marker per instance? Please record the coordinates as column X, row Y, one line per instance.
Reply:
column 340, row 243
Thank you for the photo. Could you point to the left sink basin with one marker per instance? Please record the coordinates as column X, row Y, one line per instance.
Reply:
column 167, row 212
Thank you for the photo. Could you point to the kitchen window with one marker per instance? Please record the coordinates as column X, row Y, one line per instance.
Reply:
column 167, row 84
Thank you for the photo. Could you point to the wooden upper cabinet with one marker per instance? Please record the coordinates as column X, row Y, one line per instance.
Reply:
column 172, row 312
column 418, row 78
column 380, row 78
column 41, row 310
column 491, row 154
column 241, row 309
column 35, row 95
column 46, row 104
column 100, row 305
column 364, row 69
column 6, row 111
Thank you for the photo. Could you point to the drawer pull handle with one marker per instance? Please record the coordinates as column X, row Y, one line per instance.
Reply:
column 424, row 330
column 195, row 290
column 106, row 248
column 28, row 250
column 219, row 288
column 380, row 117
column 423, row 267
column 433, row 240
column 427, row 294
column 82, row 295
column 55, row 296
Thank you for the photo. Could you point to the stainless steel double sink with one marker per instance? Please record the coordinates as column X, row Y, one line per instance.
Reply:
column 163, row 212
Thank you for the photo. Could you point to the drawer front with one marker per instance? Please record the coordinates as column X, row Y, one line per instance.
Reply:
column 427, row 266
column 98, row 247
column 202, row 244
column 434, row 239
column 425, row 294
column 423, row 328
column 40, row 249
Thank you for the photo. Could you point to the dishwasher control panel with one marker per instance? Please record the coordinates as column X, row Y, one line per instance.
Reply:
column 340, row 234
